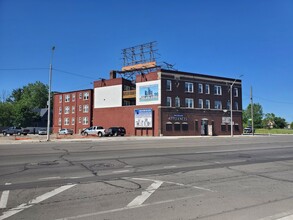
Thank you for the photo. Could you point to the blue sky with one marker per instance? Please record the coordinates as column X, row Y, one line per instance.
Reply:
column 224, row 38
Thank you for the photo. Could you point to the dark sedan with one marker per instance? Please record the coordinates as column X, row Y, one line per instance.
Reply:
column 115, row 131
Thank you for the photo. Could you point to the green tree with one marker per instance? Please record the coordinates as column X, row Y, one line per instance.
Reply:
column 269, row 120
column 280, row 122
column 291, row 125
column 6, row 114
column 257, row 115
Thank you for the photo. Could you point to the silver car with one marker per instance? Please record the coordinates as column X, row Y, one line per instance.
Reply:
column 42, row 131
column 66, row 131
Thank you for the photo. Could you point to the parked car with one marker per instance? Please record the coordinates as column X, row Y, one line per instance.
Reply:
column 66, row 131
column 94, row 130
column 15, row 130
column 248, row 130
column 115, row 131
column 42, row 131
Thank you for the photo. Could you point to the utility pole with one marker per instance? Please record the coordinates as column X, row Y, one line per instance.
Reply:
column 49, row 95
column 252, row 113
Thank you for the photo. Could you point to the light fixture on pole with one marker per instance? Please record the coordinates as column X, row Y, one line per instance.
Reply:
column 231, row 105
column 49, row 95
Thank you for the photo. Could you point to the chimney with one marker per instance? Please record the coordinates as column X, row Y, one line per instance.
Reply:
column 113, row 74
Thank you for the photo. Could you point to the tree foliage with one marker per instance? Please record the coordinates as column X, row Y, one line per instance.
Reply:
column 18, row 110
column 257, row 115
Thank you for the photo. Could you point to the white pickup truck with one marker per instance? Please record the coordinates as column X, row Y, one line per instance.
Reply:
column 94, row 130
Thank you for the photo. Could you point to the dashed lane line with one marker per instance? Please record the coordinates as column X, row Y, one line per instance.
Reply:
column 4, row 198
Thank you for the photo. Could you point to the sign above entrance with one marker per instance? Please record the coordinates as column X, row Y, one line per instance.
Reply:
column 177, row 117
column 143, row 118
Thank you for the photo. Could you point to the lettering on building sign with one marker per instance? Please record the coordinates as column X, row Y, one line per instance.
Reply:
column 177, row 117
column 226, row 120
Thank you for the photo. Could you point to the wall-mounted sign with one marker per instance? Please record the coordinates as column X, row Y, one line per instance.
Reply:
column 148, row 93
column 226, row 120
column 143, row 118
column 177, row 117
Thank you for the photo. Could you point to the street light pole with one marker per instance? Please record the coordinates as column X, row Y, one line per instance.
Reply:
column 231, row 106
column 49, row 95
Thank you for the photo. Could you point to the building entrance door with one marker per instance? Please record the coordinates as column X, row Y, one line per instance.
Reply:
column 204, row 126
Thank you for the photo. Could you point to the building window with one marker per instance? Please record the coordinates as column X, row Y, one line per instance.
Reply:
column 169, row 85
column 66, row 121
column 169, row 126
column 235, row 90
column 189, row 103
column 73, row 109
column 218, row 105
column 188, row 87
column 86, row 96
column 207, row 89
column 60, row 110
column 200, row 88
column 67, row 98
column 80, row 95
column 85, row 108
column 126, row 102
column 176, row 126
column 208, row 104
column 236, row 127
column 60, row 98
column 236, row 106
column 218, row 90
column 200, row 103
column 79, row 108
column 73, row 97
column 177, row 102
column 223, row 127
column 73, row 121
column 59, row 121
column 67, row 110
column 184, row 126
column 196, row 125
column 169, row 102
column 228, row 105
column 85, row 121
column 79, row 120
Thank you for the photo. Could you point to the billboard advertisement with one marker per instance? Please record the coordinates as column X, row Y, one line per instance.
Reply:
column 143, row 118
column 148, row 93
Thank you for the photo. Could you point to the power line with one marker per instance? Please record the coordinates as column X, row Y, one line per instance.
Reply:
column 269, row 100
column 74, row 74
column 15, row 69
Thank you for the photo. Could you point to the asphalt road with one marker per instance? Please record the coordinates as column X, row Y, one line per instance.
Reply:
column 149, row 178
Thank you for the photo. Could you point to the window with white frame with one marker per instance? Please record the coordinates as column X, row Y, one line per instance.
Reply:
column 218, row 90
column 189, row 103
column 67, row 110
column 169, row 102
column 60, row 110
column 208, row 104
column 73, row 109
column 200, row 88
column 80, row 95
column 218, row 105
column 79, row 108
column 85, row 121
column 86, row 96
column 200, row 103
column 59, row 121
column 67, row 98
column 85, row 108
column 66, row 121
column 177, row 102
column 235, row 90
column 236, row 106
column 72, row 121
column 188, row 87
column 169, row 85
column 60, row 98
column 207, row 89
column 73, row 97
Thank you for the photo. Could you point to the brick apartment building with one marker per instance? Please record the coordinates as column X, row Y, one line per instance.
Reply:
column 72, row 110
column 166, row 102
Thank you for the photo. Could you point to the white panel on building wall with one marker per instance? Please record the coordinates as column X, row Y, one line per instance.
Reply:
column 109, row 96
column 148, row 93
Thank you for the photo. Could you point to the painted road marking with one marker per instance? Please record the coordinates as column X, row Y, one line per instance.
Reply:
column 91, row 215
column 280, row 216
column 178, row 184
column 4, row 198
column 145, row 194
column 121, row 171
column 32, row 202
column 50, row 178
column 170, row 167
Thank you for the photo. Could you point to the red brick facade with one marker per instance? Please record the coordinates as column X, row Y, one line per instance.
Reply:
column 72, row 110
